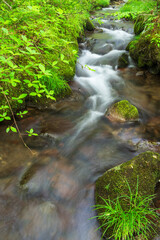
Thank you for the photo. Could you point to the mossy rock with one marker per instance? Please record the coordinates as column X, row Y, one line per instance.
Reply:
column 89, row 25
column 139, row 24
column 123, row 61
column 145, row 52
column 113, row 184
column 122, row 111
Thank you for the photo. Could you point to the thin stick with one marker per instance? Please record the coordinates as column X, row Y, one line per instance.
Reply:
column 19, row 133
column 7, row 4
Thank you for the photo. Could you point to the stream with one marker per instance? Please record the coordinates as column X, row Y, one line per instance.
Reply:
column 50, row 195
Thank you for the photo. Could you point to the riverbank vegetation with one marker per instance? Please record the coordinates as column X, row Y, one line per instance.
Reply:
column 39, row 49
column 145, row 48
column 132, row 9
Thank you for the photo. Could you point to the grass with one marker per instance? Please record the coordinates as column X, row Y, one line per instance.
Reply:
column 133, row 8
column 101, row 3
column 127, row 216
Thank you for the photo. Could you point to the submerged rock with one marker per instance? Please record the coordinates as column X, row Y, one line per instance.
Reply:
column 113, row 183
column 122, row 111
column 40, row 221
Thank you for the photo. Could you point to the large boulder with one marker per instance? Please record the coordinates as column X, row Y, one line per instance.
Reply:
column 113, row 184
column 122, row 111
column 145, row 51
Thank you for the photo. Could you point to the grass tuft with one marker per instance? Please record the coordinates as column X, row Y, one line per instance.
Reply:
column 127, row 216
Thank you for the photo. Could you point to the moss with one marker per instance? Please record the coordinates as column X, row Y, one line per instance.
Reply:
column 139, row 24
column 123, row 61
column 145, row 165
column 89, row 25
column 125, row 110
column 145, row 50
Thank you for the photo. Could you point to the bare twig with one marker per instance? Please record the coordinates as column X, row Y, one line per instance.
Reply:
column 7, row 4
column 19, row 133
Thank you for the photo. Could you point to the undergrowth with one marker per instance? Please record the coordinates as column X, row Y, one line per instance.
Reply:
column 39, row 49
column 131, row 9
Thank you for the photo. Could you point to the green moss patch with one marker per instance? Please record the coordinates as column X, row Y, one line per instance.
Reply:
column 123, row 111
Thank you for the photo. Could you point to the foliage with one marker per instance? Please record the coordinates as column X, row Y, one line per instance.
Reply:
column 101, row 3
column 127, row 216
column 133, row 8
column 31, row 133
column 38, row 50
column 152, row 28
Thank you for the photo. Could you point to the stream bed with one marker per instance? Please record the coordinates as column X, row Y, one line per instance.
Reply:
column 50, row 195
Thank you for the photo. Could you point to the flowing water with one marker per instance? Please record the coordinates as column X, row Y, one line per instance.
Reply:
column 50, row 196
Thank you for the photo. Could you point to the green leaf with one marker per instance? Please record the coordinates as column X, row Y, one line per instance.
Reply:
column 60, row 11
column 1, row 119
column 54, row 63
column 42, row 67
column 13, row 129
column 49, row 96
column 2, row 58
column 20, row 101
column 7, row 129
column 7, row 118
column 65, row 61
column 62, row 57
column 24, row 112
column 5, row 30
column 23, row 95
column 24, row 38
column 34, row 134
column 14, row 84
column 33, row 94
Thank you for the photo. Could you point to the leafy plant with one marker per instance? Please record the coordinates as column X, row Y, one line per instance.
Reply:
column 38, row 51
column 127, row 216
column 31, row 133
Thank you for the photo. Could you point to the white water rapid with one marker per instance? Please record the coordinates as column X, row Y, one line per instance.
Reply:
column 97, row 74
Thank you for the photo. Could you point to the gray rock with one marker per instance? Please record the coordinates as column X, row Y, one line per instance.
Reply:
column 102, row 49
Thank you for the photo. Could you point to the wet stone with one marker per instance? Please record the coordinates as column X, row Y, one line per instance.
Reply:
column 39, row 221
column 145, row 145
column 102, row 49
column 152, row 129
column 55, row 179
column 13, row 160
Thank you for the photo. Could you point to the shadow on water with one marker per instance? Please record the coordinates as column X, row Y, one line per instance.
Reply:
column 49, row 195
